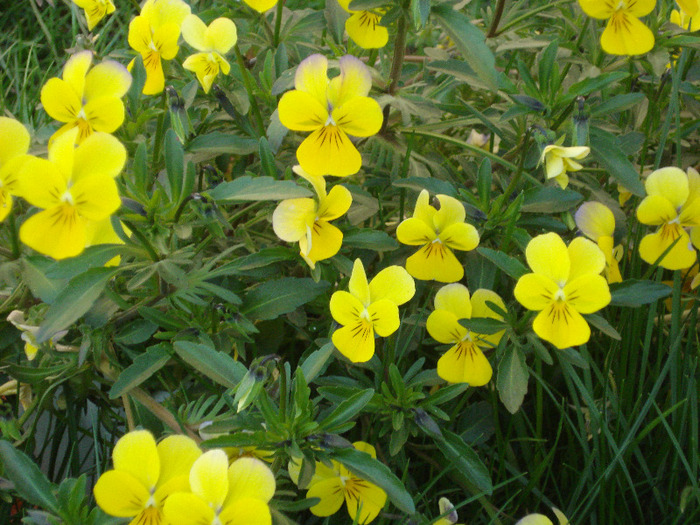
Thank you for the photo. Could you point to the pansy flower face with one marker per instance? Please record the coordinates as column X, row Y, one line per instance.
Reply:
column 332, row 110
column 625, row 34
column 95, row 10
column 212, row 42
column 560, row 160
column 364, row 27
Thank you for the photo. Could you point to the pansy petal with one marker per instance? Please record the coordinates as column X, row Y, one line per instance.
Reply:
column 454, row 298
column 355, row 341
column 480, row 308
column 40, row 183
column 312, row 77
column 99, row 154
column 597, row 9
column 612, row 268
column 95, row 197
column 451, row 211
column 330, row 492
column 460, row 236
column 561, row 325
column 345, row 307
column 335, row 204
column 58, row 232
column 595, row 220
column 14, row 140
column 359, row 117
column 444, row 327
column 384, row 315
column 625, row 34
column 364, row 501
column 165, row 39
column 317, row 181
column 292, row 217
column 358, row 285
column 120, row 494
column 423, row 210
column 261, row 5
column 547, row 255
column 194, row 32
column 60, row 101
column 535, row 291
column 535, row 519
column 75, row 70
column 681, row 256
column 465, row 363
column 365, row 447
column 5, row 203
column 586, row 258
column 247, row 511
column 392, row 283
column 177, row 454
column 136, row 453
column 364, row 29
column 435, row 261
column 640, row 8
column 187, row 509
column 300, row 111
column 415, row 232
column 104, row 114
column 250, row 478
column 107, row 79
column 670, row 183
column 326, row 241
column 155, row 78
column 328, row 151
column 689, row 6
column 655, row 210
column 221, row 35
column 209, row 477
column 140, row 34
column 354, row 80
column 690, row 214
column 587, row 293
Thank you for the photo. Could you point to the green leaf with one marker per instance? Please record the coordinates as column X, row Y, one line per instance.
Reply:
column 204, row 147
column 312, row 365
column 274, row 298
column 590, row 85
column 347, row 409
column 35, row 274
column 508, row 264
column 433, row 185
column 28, row 480
column 470, row 41
column 602, row 324
column 549, row 199
column 74, row 301
column 217, row 366
column 267, row 158
column 143, row 367
column 420, row 11
column 247, row 188
column 368, row 239
column 512, row 379
column 635, row 293
column 366, row 5
column 610, row 156
column 364, row 466
column 483, row 325
column 465, row 460
column 92, row 257
column 174, row 165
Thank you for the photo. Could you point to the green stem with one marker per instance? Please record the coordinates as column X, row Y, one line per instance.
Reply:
column 278, row 23
column 283, row 392
column 498, row 13
column 45, row 30
column 519, row 172
column 157, row 142
column 251, row 95
column 14, row 237
column 399, row 54
column 144, row 241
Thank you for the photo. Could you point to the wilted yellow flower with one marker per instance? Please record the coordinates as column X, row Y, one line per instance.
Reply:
column 625, row 34
column 306, row 221
column 446, row 506
column 439, row 232
column 465, row 362
column 368, row 308
column 673, row 204
column 565, row 284
column 213, row 41
column 89, row 100
column 12, row 388
column 14, row 144
column 331, row 110
column 95, row 10
column 145, row 475
column 558, row 160
column 154, row 35
column 364, row 27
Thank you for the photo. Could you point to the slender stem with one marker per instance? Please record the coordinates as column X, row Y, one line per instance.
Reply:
column 498, row 13
column 399, row 53
column 283, row 392
column 251, row 95
column 160, row 129
column 128, row 412
column 144, row 241
column 14, row 237
column 278, row 23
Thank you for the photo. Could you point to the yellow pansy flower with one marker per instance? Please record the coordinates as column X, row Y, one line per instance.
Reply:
column 673, row 204
column 368, row 308
column 565, row 284
column 261, row 5
column 31, row 347
column 333, row 485
column 690, row 7
column 687, row 20
column 213, row 41
column 465, row 362
column 73, row 186
column 558, row 160
column 95, row 10
column 364, row 29
column 14, row 144
column 597, row 222
column 541, row 519
column 154, row 35
column 625, row 34
column 306, row 221
column 439, row 232
column 87, row 98
column 223, row 494
column 145, row 475
column 331, row 110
